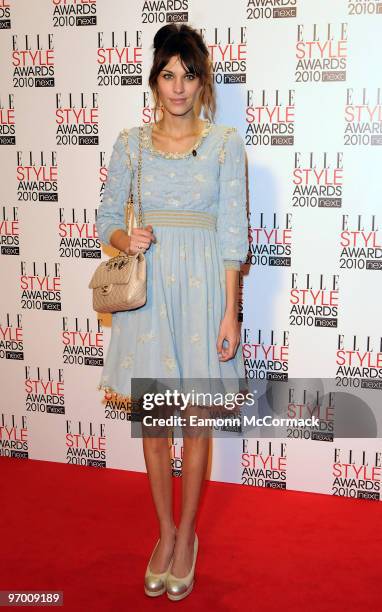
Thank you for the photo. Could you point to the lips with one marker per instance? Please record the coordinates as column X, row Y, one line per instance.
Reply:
column 178, row 100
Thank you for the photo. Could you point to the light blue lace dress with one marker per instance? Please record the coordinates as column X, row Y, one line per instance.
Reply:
column 196, row 202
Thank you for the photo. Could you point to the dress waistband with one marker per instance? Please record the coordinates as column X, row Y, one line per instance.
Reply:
column 191, row 218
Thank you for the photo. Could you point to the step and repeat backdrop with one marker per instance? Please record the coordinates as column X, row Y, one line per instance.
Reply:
column 301, row 81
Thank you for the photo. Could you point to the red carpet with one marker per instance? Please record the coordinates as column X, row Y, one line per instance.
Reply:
column 90, row 532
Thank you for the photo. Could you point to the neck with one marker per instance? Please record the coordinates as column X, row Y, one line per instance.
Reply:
column 179, row 125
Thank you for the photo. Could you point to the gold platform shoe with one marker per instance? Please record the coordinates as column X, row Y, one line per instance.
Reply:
column 179, row 588
column 155, row 584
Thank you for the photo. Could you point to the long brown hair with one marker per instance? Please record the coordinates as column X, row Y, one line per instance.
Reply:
column 183, row 41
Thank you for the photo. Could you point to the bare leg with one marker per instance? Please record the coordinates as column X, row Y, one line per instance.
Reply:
column 158, row 465
column 196, row 442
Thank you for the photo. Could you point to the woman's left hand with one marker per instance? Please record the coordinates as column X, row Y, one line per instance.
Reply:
column 229, row 330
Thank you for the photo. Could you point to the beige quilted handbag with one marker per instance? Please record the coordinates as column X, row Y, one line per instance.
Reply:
column 120, row 283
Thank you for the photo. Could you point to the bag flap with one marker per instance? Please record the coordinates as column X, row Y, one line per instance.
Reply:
column 116, row 270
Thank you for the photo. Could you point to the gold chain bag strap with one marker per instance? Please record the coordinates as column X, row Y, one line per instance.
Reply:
column 120, row 283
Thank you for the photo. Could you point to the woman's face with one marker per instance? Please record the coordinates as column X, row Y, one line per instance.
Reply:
column 178, row 89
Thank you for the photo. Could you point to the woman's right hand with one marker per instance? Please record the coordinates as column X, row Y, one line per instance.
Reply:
column 140, row 240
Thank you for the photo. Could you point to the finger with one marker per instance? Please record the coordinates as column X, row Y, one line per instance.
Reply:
column 138, row 244
column 152, row 236
column 219, row 343
column 230, row 352
column 145, row 233
column 139, row 231
column 227, row 351
column 232, row 346
column 141, row 240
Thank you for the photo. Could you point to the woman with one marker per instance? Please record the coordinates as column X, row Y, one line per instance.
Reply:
column 193, row 194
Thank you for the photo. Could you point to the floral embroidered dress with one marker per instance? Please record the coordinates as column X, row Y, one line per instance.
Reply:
column 196, row 203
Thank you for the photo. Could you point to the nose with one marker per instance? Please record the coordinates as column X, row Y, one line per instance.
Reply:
column 178, row 85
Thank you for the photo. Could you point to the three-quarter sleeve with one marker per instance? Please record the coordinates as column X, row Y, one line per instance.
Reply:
column 232, row 221
column 111, row 211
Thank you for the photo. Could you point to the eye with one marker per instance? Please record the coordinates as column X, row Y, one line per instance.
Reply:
column 190, row 76
column 167, row 74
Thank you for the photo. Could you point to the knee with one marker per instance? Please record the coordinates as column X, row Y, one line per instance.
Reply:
column 156, row 445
